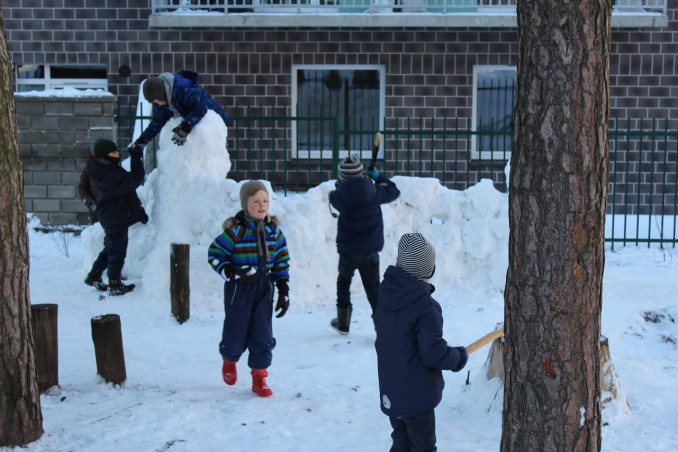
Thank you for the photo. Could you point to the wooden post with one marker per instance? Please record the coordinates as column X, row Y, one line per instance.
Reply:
column 44, row 323
column 180, row 289
column 107, row 337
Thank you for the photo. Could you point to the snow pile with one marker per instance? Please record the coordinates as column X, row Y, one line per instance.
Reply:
column 188, row 196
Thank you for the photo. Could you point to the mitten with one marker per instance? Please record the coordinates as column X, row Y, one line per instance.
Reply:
column 136, row 149
column 144, row 216
column 462, row 359
column 283, row 297
column 372, row 173
column 244, row 275
column 91, row 205
column 180, row 133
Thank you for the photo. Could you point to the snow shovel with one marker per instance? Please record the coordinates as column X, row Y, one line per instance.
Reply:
column 485, row 340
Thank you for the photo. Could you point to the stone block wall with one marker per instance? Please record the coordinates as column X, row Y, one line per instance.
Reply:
column 55, row 136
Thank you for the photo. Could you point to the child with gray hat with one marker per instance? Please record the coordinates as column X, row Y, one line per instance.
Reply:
column 360, row 232
column 411, row 351
column 251, row 255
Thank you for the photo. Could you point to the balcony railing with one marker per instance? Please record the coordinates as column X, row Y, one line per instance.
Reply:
column 373, row 13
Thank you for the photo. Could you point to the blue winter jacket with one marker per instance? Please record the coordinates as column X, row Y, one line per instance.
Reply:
column 411, row 351
column 188, row 100
column 118, row 205
column 237, row 246
column 360, row 228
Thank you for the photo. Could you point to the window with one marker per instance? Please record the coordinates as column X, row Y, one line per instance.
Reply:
column 494, row 94
column 40, row 77
column 352, row 97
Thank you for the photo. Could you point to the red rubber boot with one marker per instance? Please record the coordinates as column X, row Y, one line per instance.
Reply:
column 229, row 372
column 259, row 385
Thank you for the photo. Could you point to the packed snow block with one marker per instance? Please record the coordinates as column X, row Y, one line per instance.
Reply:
column 45, row 339
column 180, row 288
column 110, row 357
column 609, row 382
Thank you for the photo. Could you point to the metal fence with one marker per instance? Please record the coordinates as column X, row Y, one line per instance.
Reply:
column 264, row 143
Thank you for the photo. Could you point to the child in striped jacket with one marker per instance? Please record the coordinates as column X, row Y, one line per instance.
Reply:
column 251, row 255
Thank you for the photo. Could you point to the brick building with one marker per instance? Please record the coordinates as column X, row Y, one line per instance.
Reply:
column 425, row 60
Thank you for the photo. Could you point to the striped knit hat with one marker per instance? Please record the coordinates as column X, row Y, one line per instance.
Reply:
column 351, row 168
column 416, row 256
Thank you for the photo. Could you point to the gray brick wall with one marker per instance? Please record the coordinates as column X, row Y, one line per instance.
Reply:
column 55, row 135
column 429, row 70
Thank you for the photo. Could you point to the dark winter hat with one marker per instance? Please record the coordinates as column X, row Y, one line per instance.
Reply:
column 102, row 147
column 154, row 89
column 416, row 256
column 247, row 189
column 350, row 168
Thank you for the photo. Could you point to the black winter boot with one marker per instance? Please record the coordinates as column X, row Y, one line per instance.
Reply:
column 95, row 281
column 343, row 321
column 116, row 287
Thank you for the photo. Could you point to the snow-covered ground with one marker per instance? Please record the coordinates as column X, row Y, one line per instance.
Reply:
column 325, row 385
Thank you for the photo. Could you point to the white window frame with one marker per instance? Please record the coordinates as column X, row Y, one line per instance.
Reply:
column 343, row 153
column 476, row 154
column 49, row 83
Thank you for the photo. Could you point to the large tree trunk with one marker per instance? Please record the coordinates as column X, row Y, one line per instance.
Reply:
column 20, row 415
column 557, row 200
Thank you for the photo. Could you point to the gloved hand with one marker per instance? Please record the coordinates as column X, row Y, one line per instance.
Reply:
column 144, row 216
column 372, row 173
column 136, row 149
column 283, row 297
column 91, row 205
column 243, row 275
column 462, row 360
column 180, row 133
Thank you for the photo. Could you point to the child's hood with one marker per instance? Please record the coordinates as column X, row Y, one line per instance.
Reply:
column 398, row 290
column 355, row 192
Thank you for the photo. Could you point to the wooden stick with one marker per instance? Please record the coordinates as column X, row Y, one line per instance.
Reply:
column 485, row 340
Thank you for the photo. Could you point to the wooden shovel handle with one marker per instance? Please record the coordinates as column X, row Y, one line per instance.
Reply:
column 485, row 340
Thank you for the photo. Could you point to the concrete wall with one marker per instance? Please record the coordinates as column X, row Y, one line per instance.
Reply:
column 55, row 136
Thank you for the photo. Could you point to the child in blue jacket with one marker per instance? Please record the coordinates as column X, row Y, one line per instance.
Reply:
column 176, row 95
column 251, row 255
column 411, row 351
column 360, row 232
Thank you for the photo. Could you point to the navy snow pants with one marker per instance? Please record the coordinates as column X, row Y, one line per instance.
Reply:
column 112, row 257
column 247, row 325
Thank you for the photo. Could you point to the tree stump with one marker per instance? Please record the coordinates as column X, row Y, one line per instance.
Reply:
column 609, row 382
column 45, row 338
column 180, row 289
column 107, row 337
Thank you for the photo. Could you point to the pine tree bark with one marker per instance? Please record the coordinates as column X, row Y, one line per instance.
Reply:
column 557, row 200
column 20, row 415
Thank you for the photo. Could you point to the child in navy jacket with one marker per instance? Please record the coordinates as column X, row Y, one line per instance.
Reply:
column 411, row 351
column 176, row 95
column 251, row 255
column 360, row 232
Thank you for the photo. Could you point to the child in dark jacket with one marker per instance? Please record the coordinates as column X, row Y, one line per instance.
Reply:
column 176, row 95
column 360, row 232
column 118, row 208
column 411, row 351
column 251, row 255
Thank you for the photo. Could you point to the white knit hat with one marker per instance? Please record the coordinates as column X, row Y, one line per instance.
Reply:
column 416, row 256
